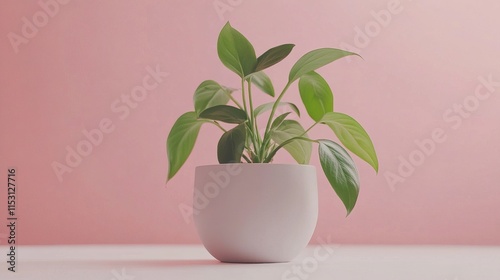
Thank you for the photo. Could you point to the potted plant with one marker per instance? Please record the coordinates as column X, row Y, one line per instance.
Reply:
column 245, row 208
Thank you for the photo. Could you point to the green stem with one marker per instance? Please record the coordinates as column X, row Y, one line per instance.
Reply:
column 235, row 101
column 250, row 102
column 258, row 140
column 275, row 105
column 266, row 140
column 243, row 95
column 219, row 126
column 252, row 117
column 265, row 143
column 273, row 152
column 246, row 158
column 307, row 130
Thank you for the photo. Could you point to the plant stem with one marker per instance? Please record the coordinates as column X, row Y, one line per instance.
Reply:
column 307, row 130
column 275, row 150
column 252, row 117
column 243, row 95
column 256, row 134
column 243, row 98
column 219, row 126
column 275, row 105
column 266, row 140
column 265, row 143
column 235, row 101
column 246, row 158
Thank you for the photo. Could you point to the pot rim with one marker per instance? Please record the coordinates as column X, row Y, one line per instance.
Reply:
column 256, row 164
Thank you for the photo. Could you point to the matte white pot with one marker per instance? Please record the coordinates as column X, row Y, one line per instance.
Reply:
column 255, row 212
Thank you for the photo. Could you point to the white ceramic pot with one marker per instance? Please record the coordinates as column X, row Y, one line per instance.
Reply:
column 255, row 212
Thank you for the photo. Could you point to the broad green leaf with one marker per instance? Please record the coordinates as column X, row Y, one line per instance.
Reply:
column 316, row 95
column 262, row 81
column 235, row 51
column 340, row 171
column 273, row 56
column 353, row 136
column 231, row 145
column 181, row 140
column 268, row 106
column 314, row 60
column 208, row 94
column 224, row 113
column 300, row 150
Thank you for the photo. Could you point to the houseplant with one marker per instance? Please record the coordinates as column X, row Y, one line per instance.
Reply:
column 246, row 209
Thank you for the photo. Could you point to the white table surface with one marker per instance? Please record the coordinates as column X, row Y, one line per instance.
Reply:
column 144, row 262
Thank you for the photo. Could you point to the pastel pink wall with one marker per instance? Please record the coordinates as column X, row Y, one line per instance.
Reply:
column 416, row 68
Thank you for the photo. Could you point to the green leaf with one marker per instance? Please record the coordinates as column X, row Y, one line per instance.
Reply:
column 262, row 81
column 224, row 113
column 208, row 94
column 316, row 95
column 299, row 150
column 235, row 51
column 273, row 56
column 340, row 171
column 231, row 145
column 353, row 136
column 181, row 140
column 314, row 60
column 268, row 106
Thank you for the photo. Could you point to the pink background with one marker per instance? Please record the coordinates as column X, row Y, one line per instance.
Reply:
column 425, row 60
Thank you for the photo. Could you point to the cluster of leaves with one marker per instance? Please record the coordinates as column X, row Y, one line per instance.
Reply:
column 246, row 143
